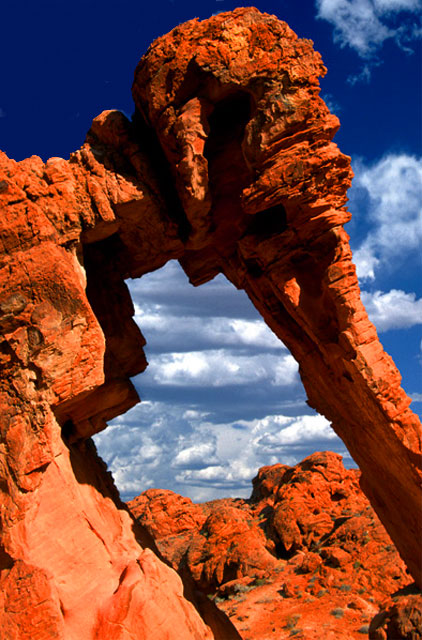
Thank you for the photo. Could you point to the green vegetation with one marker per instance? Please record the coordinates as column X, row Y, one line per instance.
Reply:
column 259, row 582
column 292, row 621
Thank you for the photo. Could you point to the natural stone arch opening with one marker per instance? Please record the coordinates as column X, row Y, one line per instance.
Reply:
column 275, row 229
column 222, row 394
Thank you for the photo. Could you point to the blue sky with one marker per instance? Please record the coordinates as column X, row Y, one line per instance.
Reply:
column 222, row 395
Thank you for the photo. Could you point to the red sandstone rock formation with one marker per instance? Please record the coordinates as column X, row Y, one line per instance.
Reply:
column 305, row 544
column 235, row 104
column 228, row 166
column 401, row 617
column 307, row 534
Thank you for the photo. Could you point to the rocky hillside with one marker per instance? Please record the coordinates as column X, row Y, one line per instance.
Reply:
column 305, row 556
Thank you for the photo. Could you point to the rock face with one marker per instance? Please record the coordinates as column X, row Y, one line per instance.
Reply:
column 228, row 166
column 401, row 617
column 305, row 544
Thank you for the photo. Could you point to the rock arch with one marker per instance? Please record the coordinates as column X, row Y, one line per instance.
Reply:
column 228, row 166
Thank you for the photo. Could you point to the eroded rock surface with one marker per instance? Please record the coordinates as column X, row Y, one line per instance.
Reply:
column 228, row 166
column 305, row 544
column 400, row 618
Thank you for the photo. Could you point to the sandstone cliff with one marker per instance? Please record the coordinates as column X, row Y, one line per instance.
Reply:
column 228, row 165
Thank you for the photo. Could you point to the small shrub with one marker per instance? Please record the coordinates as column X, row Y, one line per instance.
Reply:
column 242, row 588
column 292, row 621
column 345, row 587
column 259, row 582
column 239, row 598
column 264, row 600
column 357, row 565
column 337, row 613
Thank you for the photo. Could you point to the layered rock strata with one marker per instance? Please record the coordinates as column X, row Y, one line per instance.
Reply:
column 228, row 166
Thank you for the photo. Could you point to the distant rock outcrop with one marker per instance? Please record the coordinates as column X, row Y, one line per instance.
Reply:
column 307, row 534
column 228, row 166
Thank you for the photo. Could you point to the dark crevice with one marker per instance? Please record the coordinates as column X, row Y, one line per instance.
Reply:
column 68, row 430
column 337, row 496
column 227, row 123
column 106, row 267
column 6, row 560
column 338, row 522
column 282, row 553
column 148, row 141
column 228, row 172
column 229, row 572
column 269, row 222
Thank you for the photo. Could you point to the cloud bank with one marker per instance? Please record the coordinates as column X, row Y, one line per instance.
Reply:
column 393, row 310
column 364, row 25
column 191, row 453
column 221, row 395
column 387, row 197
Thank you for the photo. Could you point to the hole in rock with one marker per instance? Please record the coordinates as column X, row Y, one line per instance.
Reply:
column 228, row 172
column 227, row 123
column 268, row 222
column 337, row 496
column 282, row 553
column 68, row 429
column 221, row 396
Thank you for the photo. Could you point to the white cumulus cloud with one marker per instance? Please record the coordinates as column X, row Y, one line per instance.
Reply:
column 393, row 189
column 356, row 24
column 168, row 329
column 200, row 454
column 364, row 25
column 292, row 432
column 394, row 309
column 234, row 474
column 220, row 368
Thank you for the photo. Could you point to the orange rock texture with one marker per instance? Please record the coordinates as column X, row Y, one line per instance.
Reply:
column 227, row 165
column 306, row 544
